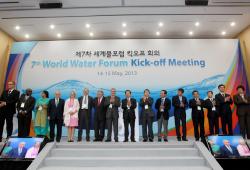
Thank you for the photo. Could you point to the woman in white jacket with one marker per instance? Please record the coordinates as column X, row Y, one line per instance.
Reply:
column 70, row 114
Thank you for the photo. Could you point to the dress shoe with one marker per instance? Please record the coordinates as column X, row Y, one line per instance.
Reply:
column 108, row 140
column 165, row 140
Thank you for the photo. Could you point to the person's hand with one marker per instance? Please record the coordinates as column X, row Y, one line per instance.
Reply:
column 48, row 117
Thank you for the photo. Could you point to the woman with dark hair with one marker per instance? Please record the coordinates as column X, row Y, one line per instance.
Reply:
column 41, row 119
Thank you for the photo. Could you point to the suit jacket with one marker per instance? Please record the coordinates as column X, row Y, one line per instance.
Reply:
column 242, row 107
column 56, row 112
column 29, row 105
column 226, row 153
column 167, row 107
column 11, row 101
column 209, row 106
column 90, row 103
column 14, row 153
column 129, row 112
column 176, row 103
column 194, row 106
column 222, row 106
column 114, row 108
column 100, row 110
column 147, row 112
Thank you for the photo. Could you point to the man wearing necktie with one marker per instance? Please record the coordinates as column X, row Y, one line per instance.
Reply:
column 224, row 102
column 8, row 101
column 242, row 102
column 55, row 116
column 228, row 150
column 128, row 106
column 112, row 103
column 99, row 116
column 197, row 104
column 212, row 114
column 84, row 115
column 25, row 105
column 147, row 115
column 163, row 105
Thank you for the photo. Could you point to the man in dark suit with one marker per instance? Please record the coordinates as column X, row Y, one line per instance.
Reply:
column 223, row 101
column 55, row 116
column 163, row 105
column 180, row 104
column 242, row 102
column 197, row 104
column 212, row 113
column 8, row 101
column 112, row 103
column 147, row 115
column 99, row 116
column 86, row 104
column 228, row 150
column 128, row 106
column 25, row 106
column 18, row 152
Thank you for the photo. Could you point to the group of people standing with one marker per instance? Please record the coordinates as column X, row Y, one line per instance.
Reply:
column 76, row 113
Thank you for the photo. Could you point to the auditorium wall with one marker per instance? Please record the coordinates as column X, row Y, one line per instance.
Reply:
column 5, row 46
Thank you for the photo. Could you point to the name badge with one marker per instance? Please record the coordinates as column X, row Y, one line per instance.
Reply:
column 162, row 110
column 128, row 107
column 110, row 106
column 40, row 108
column 198, row 108
column 84, row 106
column 22, row 105
column 213, row 109
column 71, row 109
column 146, row 107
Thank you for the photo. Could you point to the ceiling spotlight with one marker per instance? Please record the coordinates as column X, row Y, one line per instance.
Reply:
column 91, row 34
column 17, row 27
column 232, row 24
column 190, row 32
column 124, row 24
column 59, row 35
column 160, row 24
column 223, row 33
column 158, row 33
column 124, row 34
column 52, row 26
column 87, row 25
column 27, row 36
column 197, row 24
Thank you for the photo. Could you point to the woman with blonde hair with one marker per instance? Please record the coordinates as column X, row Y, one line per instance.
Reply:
column 70, row 114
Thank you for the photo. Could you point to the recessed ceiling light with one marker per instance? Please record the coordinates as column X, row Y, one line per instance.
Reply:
column 190, row 32
column 223, row 33
column 59, row 35
column 91, row 34
column 52, row 26
column 160, row 24
column 124, row 24
column 158, row 33
column 17, row 27
column 27, row 36
column 197, row 24
column 124, row 33
column 232, row 24
column 87, row 25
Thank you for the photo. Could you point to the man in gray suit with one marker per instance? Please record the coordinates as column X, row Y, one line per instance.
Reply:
column 147, row 115
column 112, row 103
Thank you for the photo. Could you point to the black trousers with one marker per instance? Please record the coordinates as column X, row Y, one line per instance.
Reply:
column 58, row 123
column 180, row 117
column 147, row 127
column 213, row 125
column 129, row 122
column 244, row 122
column 24, row 125
column 99, row 126
column 226, row 121
column 83, row 117
column 198, row 123
column 113, row 121
column 9, row 124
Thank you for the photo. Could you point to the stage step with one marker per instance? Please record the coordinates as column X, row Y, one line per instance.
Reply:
column 121, row 156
